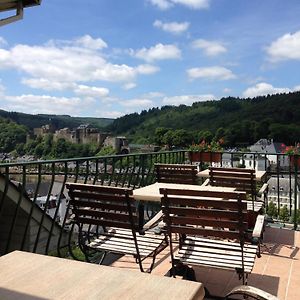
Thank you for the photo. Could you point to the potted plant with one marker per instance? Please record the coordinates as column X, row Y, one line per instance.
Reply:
column 206, row 152
column 294, row 154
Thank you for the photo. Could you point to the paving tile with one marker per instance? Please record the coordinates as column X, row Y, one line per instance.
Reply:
column 276, row 272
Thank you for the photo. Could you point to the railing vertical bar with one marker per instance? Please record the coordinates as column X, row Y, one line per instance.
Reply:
column 33, row 204
column 76, row 171
column 45, row 208
column 58, row 204
column 133, row 170
column 87, row 169
column 290, row 186
column 96, row 171
column 112, row 171
column 136, row 182
column 278, row 185
column 120, row 173
column 104, row 171
column 296, row 158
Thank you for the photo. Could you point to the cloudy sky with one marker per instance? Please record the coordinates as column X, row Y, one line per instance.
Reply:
column 112, row 57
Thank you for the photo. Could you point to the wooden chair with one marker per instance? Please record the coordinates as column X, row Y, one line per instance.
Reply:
column 213, row 229
column 242, row 180
column 109, row 221
column 176, row 173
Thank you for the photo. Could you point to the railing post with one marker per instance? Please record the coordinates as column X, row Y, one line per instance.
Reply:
column 296, row 192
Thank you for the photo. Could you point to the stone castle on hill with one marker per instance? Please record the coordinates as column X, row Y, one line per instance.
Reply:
column 84, row 134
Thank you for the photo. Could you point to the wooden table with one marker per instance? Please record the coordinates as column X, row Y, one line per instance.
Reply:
column 259, row 175
column 150, row 193
column 31, row 276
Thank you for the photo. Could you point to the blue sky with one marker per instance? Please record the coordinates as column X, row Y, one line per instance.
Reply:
column 113, row 57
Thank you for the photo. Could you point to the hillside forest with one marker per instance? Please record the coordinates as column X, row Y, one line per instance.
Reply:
column 238, row 122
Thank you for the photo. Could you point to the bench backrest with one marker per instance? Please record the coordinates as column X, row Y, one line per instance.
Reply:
column 205, row 213
column 239, row 178
column 104, row 206
column 176, row 173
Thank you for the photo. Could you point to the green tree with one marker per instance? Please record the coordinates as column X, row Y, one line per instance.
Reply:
column 106, row 151
column 284, row 214
column 272, row 210
column 159, row 134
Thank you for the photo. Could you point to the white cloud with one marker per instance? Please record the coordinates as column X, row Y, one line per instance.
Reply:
column 263, row 88
column 158, row 52
column 87, row 41
column 213, row 73
column 193, row 4
column 227, row 90
column 91, row 91
column 3, row 42
column 286, row 47
column 46, row 84
column 152, row 95
column 34, row 104
column 60, row 65
column 129, row 86
column 297, row 88
column 162, row 4
column 172, row 27
column 147, row 69
column 137, row 103
column 210, row 48
column 187, row 99
column 108, row 114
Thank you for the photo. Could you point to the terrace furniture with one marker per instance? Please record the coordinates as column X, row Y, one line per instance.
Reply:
column 176, row 173
column 242, row 180
column 118, row 222
column 32, row 276
column 212, row 228
column 250, row 291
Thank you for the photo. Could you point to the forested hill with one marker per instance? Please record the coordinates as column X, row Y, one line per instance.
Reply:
column 238, row 121
column 59, row 121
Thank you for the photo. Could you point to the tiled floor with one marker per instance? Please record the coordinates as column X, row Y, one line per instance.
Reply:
column 277, row 271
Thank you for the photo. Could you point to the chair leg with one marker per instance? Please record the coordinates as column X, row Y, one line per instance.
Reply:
column 102, row 258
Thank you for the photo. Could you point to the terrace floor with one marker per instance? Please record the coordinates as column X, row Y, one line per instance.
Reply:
column 277, row 271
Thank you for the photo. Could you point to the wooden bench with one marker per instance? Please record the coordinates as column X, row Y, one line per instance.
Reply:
column 242, row 180
column 213, row 229
column 109, row 221
column 176, row 173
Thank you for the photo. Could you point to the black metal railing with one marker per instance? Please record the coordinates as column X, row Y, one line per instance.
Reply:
column 34, row 214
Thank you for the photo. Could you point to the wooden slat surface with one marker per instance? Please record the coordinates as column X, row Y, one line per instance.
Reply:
column 31, row 276
column 150, row 193
column 176, row 173
column 259, row 175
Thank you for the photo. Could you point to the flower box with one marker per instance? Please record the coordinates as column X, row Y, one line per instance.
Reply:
column 205, row 156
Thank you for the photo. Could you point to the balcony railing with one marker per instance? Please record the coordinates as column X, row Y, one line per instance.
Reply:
column 34, row 212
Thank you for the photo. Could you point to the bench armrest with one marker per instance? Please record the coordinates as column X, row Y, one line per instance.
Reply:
column 154, row 221
column 206, row 182
column 263, row 190
column 258, row 227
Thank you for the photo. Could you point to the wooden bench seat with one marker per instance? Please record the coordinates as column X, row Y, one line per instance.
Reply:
column 212, row 228
column 122, row 241
column 218, row 254
column 109, row 221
